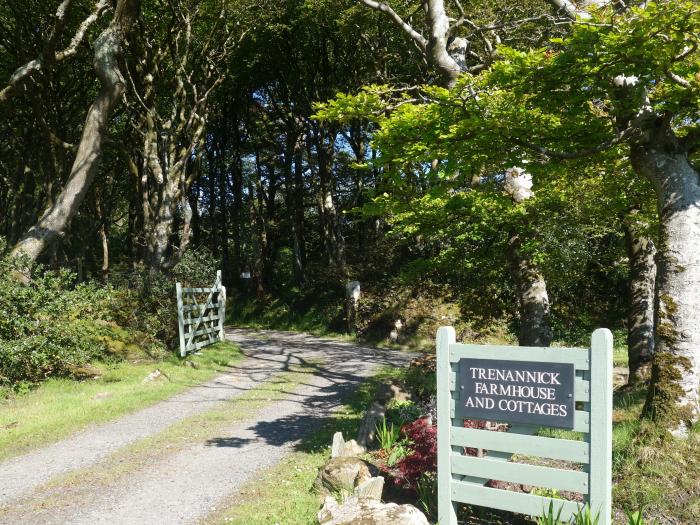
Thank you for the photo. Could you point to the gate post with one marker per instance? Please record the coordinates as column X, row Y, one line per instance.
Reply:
column 446, row 511
column 222, row 312
column 180, row 318
column 600, row 437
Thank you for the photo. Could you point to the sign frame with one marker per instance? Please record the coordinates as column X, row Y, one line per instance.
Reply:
column 460, row 477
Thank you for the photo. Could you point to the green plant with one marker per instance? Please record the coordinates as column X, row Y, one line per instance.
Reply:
column 637, row 518
column 387, row 435
column 545, row 492
column 585, row 516
column 426, row 490
column 402, row 412
column 399, row 452
column 548, row 516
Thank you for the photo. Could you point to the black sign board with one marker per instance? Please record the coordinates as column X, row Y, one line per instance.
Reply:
column 529, row 392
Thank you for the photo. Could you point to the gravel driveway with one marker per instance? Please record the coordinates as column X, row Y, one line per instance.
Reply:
column 187, row 485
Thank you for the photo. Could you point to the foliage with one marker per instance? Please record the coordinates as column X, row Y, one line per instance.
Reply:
column 403, row 412
column 585, row 516
column 427, row 492
column 49, row 327
column 637, row 518
column 387, row 435
column 421, row 376
column 422, row 437
column 549, row 517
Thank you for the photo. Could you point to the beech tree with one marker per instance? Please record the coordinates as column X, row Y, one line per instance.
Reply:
column 107, row 52
column 625, row 79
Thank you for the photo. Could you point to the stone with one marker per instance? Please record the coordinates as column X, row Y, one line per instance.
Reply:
column 338, row 445
column 621, row 376
column 352, row 449
column 355, row 511
column 343, row 449
column 341, row 476
column 368, row 426
column 156, row 375
column 370, row 489
column 392, row 392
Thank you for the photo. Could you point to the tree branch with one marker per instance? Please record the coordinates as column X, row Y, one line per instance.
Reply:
column 568, row 155
column 26, row 70
column 387, row 10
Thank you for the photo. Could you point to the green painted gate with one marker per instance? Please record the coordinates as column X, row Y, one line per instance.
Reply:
column 588, row 467
column 201, row 313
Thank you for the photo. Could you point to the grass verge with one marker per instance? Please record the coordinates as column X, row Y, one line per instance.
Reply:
column 60, row 407
column 651, row 469
column 282, row 495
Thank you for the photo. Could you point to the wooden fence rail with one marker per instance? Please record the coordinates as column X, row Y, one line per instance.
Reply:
column 201, row 313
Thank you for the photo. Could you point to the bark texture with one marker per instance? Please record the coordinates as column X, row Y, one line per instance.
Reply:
column 641, row 252
column 675, row 382
column 533, row 300
column 108, row 48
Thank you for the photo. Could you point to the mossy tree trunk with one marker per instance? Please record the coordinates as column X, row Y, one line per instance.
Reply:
column 641, row 252
column 675, row 380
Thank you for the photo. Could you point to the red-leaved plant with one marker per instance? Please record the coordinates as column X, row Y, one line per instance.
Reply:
column 423, row 456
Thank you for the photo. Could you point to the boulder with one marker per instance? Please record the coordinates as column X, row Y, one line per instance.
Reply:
column 343, row 449
column 341, row 475
column 370, row 489
column 357, row 511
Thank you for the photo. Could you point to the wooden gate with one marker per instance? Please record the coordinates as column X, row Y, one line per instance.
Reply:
column 200, row 313
column 588, row 462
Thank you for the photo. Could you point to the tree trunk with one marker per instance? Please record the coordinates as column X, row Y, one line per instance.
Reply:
column 437, row 43
column 333, row 234
column 533, row 300
column 298, row 217
column 675, row 381
column 293, row 183
column 640, row 321
column 57, row 217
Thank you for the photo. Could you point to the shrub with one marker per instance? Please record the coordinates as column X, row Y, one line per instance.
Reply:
column 421, row 377
column 402, row 412
column 48, row 327
column 422, row 458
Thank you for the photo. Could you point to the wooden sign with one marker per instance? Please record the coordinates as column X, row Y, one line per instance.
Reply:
column 529, row 388
column 529, row 392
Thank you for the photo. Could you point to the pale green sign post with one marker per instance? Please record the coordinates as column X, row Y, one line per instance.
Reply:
column 462, row 478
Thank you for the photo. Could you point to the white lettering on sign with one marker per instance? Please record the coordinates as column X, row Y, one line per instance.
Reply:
column 536, row 393
column 515, row 376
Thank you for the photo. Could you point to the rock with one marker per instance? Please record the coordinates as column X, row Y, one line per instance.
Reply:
column 341, row 475
column 369, row 512
column 365, row 435
column 343, row 449
column 621, row 376
column 338, row 445
column 370, row 489
column 353, row 449
column 156, row 375
column 392, row 392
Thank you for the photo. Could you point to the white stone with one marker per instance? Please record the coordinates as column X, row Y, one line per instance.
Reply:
column 368, row 512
